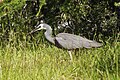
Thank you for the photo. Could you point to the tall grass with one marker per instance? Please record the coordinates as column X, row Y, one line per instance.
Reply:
column 25, row 59
column 28, row 61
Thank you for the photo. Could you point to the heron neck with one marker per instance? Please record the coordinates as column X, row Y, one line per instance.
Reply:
column 48, row 35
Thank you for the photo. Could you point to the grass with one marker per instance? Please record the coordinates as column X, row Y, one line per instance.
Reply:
column 50, row 63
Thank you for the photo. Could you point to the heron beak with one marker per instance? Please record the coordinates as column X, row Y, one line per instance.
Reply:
column 34, row 30
column 39, row 27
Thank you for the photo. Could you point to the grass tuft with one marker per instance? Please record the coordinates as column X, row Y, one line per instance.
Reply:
column 43, row 62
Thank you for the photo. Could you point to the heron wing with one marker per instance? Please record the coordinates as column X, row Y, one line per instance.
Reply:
column 71, row 41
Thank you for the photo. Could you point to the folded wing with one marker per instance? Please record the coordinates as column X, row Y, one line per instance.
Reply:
column 70, row 41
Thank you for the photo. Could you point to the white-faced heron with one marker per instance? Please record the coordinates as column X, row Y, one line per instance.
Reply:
column 66, row 40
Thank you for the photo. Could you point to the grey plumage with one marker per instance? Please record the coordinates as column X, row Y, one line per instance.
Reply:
column 70, row 41
column 66, row 40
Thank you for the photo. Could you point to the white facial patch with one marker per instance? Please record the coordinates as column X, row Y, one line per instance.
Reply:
column 41, row 26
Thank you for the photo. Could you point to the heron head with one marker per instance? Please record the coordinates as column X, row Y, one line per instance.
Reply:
column 39, row 27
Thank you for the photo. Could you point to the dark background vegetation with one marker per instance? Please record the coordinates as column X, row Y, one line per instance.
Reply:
column 94, row 19
column 24, row 56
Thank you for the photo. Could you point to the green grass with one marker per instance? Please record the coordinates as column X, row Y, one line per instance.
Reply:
column 51, row 63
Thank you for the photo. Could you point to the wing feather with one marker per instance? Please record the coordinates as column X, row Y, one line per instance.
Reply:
column 70, row 41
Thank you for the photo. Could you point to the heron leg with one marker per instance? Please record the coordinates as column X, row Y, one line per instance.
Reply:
column 70, row 55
